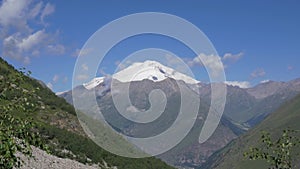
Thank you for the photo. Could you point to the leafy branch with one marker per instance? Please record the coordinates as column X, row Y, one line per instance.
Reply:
column 16, row 134
column 277, row 153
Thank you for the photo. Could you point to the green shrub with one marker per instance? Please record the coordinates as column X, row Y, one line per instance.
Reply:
column 16, row 134
column 277, row 153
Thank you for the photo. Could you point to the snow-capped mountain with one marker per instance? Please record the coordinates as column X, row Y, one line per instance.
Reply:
column 245, row 107
column 139, row 71
column 93, row 83
column 151, row 70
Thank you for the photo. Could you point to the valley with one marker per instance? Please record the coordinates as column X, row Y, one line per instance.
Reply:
column 149, row 84
column 244, row 109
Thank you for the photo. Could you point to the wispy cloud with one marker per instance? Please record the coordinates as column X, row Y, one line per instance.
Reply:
column 85, row 67
column 13, row 13
column 23, row 30
column 212, row 62
column 227, row 57
column 36, row 10
column 49, row 9
column 260, row 72
column 55, row 78
column 121, row 65
column 56, row 49
column 82, row 77
column 232, row 57
column 81, row 52
column 59, row 78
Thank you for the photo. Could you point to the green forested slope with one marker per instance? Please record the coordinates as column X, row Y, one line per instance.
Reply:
column 58, row 125
column 287, row 116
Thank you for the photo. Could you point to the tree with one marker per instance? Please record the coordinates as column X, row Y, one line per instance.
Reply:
column 277, row 153
column 16, row 134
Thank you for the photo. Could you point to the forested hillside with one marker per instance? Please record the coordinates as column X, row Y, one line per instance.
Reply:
column 56, row 122
column 287, row 117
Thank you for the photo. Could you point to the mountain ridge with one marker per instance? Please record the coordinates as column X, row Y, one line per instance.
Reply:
column 231, row 156
column 243, row 110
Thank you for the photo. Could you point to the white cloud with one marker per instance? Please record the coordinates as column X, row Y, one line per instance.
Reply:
column 82, row 77
column 32, row 40
column 18, row 47
column 35, row 53
column 20, row 38
column 13, row 12
column 49, row 9
column 103, row 73
column 55, row 78
column 212, row 63
column 215, row 61
column 26, row 60
column 289, row 68
column 56, row 49
column 241, row 84
column 232, row 57
column 10, row 47
column 81, row 52
column 117, row 63
column 173, row 61
column 121, row 65
column 260, row 72
column 76, row 52
column 59, row 79
column 35, row 11
column 84, row 67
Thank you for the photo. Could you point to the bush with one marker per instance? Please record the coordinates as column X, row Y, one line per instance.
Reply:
column 16, row 134
column 277, row 153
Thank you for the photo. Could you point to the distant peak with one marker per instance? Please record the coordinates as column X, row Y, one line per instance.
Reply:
column 148, row 63
column 138, row 71
column 93, row 83
column 60, row 93
column 151, row 70
column 265, row 81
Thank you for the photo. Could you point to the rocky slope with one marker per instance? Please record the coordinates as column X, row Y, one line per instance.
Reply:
column 245, row 108
column 43, row 160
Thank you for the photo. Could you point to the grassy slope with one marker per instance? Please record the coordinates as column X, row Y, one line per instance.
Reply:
column 287, row 116
column 58, row 123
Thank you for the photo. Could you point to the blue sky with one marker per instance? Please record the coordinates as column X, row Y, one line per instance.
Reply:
column 259, row 39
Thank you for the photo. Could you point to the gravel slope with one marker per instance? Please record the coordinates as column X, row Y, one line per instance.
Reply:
column 42, row 160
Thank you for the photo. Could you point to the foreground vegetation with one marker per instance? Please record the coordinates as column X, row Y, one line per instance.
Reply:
column 16, row 134
column 36, row 116
column 278, row 153
column 286, row 118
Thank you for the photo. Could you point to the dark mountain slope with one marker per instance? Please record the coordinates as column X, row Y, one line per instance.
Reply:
column 242, row 112
column 287, row 116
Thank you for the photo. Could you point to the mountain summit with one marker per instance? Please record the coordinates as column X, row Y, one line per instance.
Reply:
column 245, row 107
column 138, row 71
